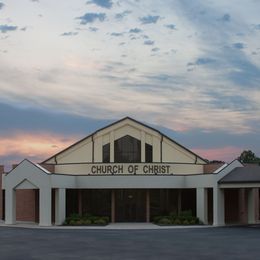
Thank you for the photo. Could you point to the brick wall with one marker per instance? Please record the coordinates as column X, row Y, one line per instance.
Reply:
column 210, row 168
column 27, row 205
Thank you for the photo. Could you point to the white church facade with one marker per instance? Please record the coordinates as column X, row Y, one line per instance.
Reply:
column 129, row 172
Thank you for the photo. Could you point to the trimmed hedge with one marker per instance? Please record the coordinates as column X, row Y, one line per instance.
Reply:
column 86, row 220
column 184, row 218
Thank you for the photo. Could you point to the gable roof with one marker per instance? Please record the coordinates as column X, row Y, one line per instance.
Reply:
column 247, row 174
column 117, row 122
column 30, row 162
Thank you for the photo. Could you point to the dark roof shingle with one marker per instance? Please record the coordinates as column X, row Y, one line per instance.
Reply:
column 248, row 174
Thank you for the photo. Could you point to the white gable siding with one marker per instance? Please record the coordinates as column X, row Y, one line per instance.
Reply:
column 175, row 153
column 81, row 152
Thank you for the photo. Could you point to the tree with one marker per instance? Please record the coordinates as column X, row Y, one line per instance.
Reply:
column 247, row 156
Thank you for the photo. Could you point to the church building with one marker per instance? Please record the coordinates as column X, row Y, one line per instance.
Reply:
column 129, row 172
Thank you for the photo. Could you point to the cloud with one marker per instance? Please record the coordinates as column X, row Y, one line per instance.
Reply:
column 120, row 16
column 244, row 73
column 155, row 49
column 34, row 120
column 149, row 42
column 159, row 77
column 135, row 30
column 201, row 61
column 149, row 19
column 7, row 28
column 1, row 5
column 117, row 34
column 226, row 18
column 93, row 29
column 170, row 26
column 69, row 34
column 238, row 45
column 102, row 3
column 226, row 153
column 36, row 146
column 92, row 17
column 257, row 26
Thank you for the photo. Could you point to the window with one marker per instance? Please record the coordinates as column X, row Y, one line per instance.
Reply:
column 127, row 150
column 106, row 153
column 148, row 153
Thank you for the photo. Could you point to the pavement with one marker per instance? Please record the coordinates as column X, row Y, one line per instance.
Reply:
column 111, row 226
column 172, row 243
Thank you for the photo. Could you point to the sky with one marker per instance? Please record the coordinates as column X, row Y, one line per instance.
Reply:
column 189, row 68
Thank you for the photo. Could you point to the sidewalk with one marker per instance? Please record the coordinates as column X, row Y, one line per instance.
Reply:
column 111, row 226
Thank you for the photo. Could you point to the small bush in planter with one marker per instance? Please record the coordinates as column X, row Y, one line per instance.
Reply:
column 186, row 222
column 177, row 221
column 86, row 222
column 100, row 221
column 165, row 221
column 77, row 220
column 184, row 218
column 157, row 219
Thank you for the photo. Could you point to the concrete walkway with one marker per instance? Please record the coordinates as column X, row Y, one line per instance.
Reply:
column 111, row 226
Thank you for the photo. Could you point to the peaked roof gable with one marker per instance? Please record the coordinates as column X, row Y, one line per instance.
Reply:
column 26, row 161
column 118, row 122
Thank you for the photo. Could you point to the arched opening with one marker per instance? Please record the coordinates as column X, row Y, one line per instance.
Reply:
column 127, row 150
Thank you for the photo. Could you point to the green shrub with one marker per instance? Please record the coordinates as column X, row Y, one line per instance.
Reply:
column 177, row 221
column 87, row 219
column 100, row 221
column 157, row 219
column 184, row 218
column 86, row 222
column 165, row 221
column 193, row 222
column 186, row 222
column 73, row 222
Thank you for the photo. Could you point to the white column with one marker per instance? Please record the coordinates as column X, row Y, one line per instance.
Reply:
column 218, row 207
column 45, row 207
column 251, row 206
column 202, row 204
column 112, row 148
column 10, row 206
column 142, row 146
column 60, row 206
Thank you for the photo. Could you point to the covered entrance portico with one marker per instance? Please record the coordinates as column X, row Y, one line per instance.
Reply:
column 231, row 196
column 130, row 205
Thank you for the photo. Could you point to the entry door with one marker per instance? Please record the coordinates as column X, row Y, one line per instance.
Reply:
column 130, row 206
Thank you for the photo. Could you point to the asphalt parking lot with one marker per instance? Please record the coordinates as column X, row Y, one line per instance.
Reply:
column 203, row 243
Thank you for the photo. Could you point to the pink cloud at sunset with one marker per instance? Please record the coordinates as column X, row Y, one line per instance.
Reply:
column 37, row 146
column 227, row 153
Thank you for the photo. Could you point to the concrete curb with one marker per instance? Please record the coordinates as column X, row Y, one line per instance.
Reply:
column 113, row 226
